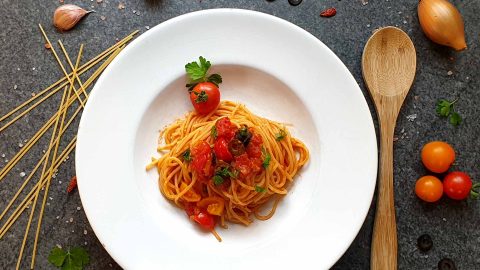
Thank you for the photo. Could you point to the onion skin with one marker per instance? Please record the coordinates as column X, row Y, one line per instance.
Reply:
column 442, row 23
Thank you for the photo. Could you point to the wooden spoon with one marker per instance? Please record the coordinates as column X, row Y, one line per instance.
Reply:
column 388, row 65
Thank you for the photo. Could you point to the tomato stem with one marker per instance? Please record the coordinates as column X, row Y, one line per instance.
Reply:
column 474, row 193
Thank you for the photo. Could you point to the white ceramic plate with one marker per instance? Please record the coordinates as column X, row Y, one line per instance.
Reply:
column 279, row 71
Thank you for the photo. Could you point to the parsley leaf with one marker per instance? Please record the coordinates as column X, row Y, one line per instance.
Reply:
column 455, row 119
column 280, row 135
column 73, row 259
column 57, row 256
column 266, row 158
column 445, row 109
column 260, row 189
column 196, row 71
column 215, row 79
column 213, row 132
column 187, row 155
column 218, row 180
column 202, row 97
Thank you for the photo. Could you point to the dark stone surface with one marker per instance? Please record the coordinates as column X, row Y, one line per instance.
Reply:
column 452, row 225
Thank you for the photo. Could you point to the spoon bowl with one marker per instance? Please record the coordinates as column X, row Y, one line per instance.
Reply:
column 388, row 66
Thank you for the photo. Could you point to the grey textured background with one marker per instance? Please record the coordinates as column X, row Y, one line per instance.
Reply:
column 453, row 225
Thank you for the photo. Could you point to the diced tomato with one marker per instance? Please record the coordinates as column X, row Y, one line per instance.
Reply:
column 225, row 129
column 256, row 164
column 205, row 220
column 243, row 164
column 254, row 148
column 202, row 159
column 221, row 150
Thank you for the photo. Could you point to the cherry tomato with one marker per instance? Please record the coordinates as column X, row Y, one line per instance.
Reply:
column 205, row 97
column 225, row 129
column 205, row 220
column 457, row 185
column 429, row 188
column 202, row 159
column 438, row 156
column 221, row 150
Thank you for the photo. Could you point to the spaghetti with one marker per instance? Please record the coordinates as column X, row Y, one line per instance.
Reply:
column 230, row 187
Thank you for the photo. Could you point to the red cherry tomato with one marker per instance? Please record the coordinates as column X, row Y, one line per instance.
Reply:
column 429, row 188
column 202, row 159
column 205, row 97
column 205, row 220
column 243, row 164
column 221, row 150
column 457, row 185
column 225, row 129
column 437, row 156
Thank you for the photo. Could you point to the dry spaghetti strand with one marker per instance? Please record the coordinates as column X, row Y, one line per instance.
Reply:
column 243, row 198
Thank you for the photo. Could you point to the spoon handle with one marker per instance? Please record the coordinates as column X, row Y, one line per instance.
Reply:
column 384, row 241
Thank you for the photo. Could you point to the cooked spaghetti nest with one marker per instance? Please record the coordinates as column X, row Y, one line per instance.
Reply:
column 242, row 197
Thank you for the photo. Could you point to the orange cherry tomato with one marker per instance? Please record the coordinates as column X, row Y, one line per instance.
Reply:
column 438, row 156
column 429, row 188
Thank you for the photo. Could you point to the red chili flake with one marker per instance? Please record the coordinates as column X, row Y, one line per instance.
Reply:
column 47, row 46
column 72, row 185
column 329, row 12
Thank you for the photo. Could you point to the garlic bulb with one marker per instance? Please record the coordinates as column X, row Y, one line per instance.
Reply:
column 442, row 23
column 67, row 16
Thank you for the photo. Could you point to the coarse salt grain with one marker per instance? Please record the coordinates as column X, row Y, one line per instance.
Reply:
column 411, row 117
column 20, row 145
column 449, row 73
column 3, row 155
column 22, row 174
column 15, row 86
column 58, row 217
column 50, row 198
column 103, row 18
column 71, row 219
column 58, row 245
column 147, row 27
column 59, row 182
column 85, row 232
column 78, row 208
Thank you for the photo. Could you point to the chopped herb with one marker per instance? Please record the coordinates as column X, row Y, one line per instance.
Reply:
column 213, row 132
column 260, row 189
column 445, row 108
column 266, row 158
column 197, row 71
column 202, row 97
column 72, row 259
column 187, row 155
column 218, row 180
column 280, row 135
column 475, row 191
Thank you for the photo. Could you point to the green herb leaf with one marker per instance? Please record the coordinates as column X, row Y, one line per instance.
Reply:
column 266, row 158
column 218, row 180
column 57, row 256
column 213, row 132
column 202, row 97
column 187, row 155
column 74, row 259
column 196, row 71
column 455, row 119
column 215, row 79
column 190, row 86
column 444, row 107
column 260, row 189
column 280, row 135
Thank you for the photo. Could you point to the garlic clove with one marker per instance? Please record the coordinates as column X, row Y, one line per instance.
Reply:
column 67, row 16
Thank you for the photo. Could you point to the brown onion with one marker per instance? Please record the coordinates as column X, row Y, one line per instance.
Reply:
column 442, row 23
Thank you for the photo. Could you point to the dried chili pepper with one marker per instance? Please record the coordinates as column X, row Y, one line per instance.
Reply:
column 329, row 12
column 72, row 185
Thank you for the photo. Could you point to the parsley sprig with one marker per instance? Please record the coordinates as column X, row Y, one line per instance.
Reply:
column 445, row 108
column 198, row 72
column 72, row 259
column 280, row 135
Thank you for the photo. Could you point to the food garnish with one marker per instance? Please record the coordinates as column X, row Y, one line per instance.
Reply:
column 72, row 259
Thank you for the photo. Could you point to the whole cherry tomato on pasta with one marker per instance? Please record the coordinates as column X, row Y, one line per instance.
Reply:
column 203, row 88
